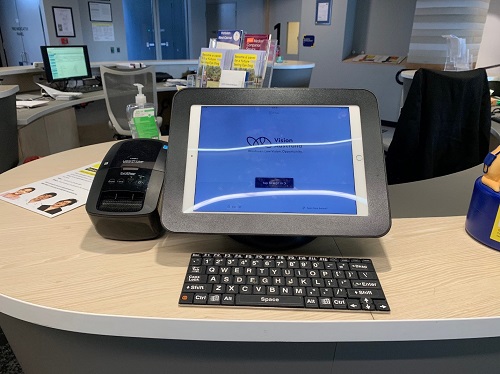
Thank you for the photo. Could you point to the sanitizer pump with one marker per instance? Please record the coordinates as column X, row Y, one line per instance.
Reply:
column 142, row 117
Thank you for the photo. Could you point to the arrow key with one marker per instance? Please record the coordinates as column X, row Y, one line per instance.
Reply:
column 367, row 304
column 382, row 305
column 353, row 304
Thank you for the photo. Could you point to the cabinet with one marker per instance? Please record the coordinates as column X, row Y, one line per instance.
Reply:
column 50, row 134
column 8, row 128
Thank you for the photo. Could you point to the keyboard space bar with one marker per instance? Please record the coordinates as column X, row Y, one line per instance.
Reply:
column 276, row 301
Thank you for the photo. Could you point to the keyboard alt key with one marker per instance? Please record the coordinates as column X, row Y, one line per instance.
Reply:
column 311, row 302
column 228, row 299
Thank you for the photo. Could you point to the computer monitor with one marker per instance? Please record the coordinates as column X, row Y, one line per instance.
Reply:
column 290, row 162
column 66, row 62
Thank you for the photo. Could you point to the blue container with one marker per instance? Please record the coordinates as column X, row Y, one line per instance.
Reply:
column 483, row 217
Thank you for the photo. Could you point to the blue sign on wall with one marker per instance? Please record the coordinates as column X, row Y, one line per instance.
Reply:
column 308, row 41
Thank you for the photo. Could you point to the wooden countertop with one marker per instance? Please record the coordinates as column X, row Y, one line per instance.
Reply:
column 58, row 272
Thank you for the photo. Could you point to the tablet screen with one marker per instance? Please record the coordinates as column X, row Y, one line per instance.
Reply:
column 279, row 159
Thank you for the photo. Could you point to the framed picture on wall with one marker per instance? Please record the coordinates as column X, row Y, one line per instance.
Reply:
column 100, row 12
column 323, row 12
column 63, row 21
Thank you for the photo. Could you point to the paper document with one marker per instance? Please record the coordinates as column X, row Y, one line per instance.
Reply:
column 233, row 78
column 175, row 82
column 60, row 95
column 54, row 196
column 30, row 103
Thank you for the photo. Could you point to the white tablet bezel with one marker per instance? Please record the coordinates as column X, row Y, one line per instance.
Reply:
column 357, row 159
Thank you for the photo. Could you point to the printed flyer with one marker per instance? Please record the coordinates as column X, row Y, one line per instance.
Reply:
column 54, row 196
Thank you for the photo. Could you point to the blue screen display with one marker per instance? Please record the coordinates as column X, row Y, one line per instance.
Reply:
column 275, row 159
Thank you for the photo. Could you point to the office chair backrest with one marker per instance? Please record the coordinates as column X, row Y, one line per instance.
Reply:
column 443, row 128
column 119, row 91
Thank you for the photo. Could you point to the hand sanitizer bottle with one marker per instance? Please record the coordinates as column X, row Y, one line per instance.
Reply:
column 142, row 117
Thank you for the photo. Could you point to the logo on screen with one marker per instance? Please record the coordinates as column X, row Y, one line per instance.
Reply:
column 261, row 140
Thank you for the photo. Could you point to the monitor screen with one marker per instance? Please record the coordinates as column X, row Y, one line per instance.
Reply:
column 280, row 161
column 66, row 62
column 269, row 159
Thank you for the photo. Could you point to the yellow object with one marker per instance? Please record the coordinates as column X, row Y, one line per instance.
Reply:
column 495, row 230
column 491, row 177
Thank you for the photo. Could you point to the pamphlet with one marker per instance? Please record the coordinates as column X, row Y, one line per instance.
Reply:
column 212, row 62
column 54, row 196
column 233, row 78
column 253, row 62
column 258, row 42
column 379, row 59
column 229, row 39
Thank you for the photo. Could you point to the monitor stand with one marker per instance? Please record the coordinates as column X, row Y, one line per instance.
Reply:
column 273, row 242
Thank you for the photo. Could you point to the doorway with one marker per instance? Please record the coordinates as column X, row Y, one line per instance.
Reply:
column 156, row 29
column 21, row 31
column 220, row 17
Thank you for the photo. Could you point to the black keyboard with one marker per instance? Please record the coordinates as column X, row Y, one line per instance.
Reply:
column 83, row 89
column 283, row 281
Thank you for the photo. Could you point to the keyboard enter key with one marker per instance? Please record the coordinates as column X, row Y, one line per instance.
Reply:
column 365, row 284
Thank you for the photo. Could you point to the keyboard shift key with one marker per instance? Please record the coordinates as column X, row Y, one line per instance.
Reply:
column 365, row 293
column 197, row 287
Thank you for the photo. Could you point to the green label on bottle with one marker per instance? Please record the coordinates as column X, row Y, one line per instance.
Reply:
column 145, row 123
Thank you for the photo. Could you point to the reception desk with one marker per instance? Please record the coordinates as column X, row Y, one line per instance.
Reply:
column 8, row 128
column 290, row 73
column 73, row 302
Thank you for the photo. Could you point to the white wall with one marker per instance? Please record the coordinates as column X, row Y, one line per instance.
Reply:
column 284, row 11
column 102, row 49
column 489, row 52
column 383, row 27
column 49, row 25
column 98, row 50
column 328, row 54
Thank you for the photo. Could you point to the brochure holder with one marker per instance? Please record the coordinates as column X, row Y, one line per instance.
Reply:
column 248, row 67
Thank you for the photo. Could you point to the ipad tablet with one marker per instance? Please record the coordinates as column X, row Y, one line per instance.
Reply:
column 305, row 162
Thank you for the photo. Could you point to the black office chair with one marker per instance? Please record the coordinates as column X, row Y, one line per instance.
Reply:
column 443, row 128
